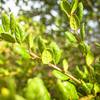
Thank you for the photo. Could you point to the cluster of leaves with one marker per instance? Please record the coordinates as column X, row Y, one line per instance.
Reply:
column 48, row 52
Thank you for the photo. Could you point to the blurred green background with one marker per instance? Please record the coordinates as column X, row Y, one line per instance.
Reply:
column 45, row 18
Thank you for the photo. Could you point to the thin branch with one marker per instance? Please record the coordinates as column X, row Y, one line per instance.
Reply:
column 57, row 68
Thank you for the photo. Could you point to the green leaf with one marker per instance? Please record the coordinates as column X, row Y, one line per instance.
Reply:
column 56, row 52
column 71, row 38
column 36, row 90
column 80, row 11
column 18, row 97
column 46, row 56
column 65, row 6
column 7, row 37
column 79, row 71
column 82, row 31
column 89, row 58
column 74, row 22
column 65, row 65
column 12, row 23
column 87, row 87
column 96, row 88
column 21, row 51
column 1, row 29
column 82, row 74
column 66, row 90
column 41, row 43
column 30, row 40
column 74, row 6
column 60, row 75
column 84, row 48
column 19, row 33
column 5, row 22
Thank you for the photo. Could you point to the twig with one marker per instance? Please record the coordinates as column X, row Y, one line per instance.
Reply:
column 57, row 68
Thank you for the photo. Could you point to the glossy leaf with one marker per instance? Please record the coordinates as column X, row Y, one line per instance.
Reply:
column 71, row 38
column 82, row 31
column 56, row 52
column 66, row 90
column 60, row 75
column 7, row 37
column 36, row 90
column 74, row 6
column 19, row 33
column 74, row 22
column 96, row 88
column 1, row 29
column 65, row 65
column 80, row 11
column 89, row 58
column 12, row 23
column 5, row 22
column 46, row 57
column 65, row 6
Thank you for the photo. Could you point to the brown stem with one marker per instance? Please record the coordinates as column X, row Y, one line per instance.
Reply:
column 57, row 68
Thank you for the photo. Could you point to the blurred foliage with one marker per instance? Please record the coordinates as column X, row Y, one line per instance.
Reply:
column 56, row 36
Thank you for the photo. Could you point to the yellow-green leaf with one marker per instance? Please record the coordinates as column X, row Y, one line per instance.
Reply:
column 96, row 88
column 66, row 91
column 65, row 6
column 7, row 37
column 60, row 75
column 36, row 90
column 74, row 22
column 82, row 31
column 12, row 23
column 19, row 33
column 5, row 22
column 46, row 57
column 74, row 6
column 89, row 58
column 1, row 29
column 80, row 11
column 65, row 65
column 56, row 52
column 70, row 37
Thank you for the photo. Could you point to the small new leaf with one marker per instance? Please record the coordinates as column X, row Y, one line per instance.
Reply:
column 80, row 11
column 82, row 31
column 65, row 65
column 1, row 29
column 56, row 52
column 74, row 22
column 89, row 58
column 5, row 22
column 65, row 6
column 12, row 23
column 19, row 33
column 7, row 37
column 96, row 88
column 46, row 57
column 74, row 6
column 71, row 38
